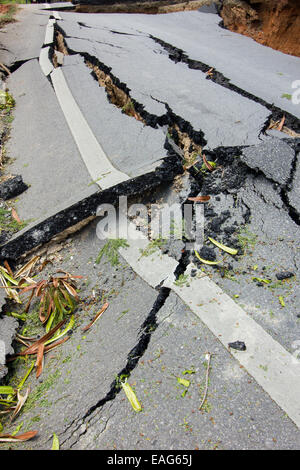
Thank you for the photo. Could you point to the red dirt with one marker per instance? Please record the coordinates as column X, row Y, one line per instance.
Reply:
column 273, row 23
column 4, row 9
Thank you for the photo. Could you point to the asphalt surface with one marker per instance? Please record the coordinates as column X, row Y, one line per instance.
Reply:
column 154, row 329
column 143, row 66
column 260, row 70
column 72, row 398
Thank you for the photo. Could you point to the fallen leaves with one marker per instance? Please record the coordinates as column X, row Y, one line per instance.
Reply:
column 49, row 341
column 96, row 317
column 209, row 165
column 55, row 442
column 281, row 124
column 227, row 249
column 40, row 359
column 21, row 401
column 132, row 398
column 15, row 216
column 58, row 297
column 186, row 383
column 26, row 436
column 206, row 261
column 199, row 199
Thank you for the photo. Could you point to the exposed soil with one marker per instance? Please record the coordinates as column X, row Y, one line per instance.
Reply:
column 148, row 7
column 273, row 23
column 7, row 13
column 4, row 9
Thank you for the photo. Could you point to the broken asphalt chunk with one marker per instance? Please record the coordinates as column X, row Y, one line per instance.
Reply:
column 274, row 158
column 239, row 345
column 284, row 275
column 12, row 187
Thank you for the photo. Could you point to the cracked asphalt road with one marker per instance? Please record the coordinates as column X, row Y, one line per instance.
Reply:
column 149, row 332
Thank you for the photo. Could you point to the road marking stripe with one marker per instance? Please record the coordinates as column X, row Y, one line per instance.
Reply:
column 153, row 268
column 49, row 35
column 101, row 170
column 56, row 15
column 45, row 62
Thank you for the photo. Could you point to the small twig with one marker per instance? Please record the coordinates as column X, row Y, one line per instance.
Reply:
column 19, row 340
column 2, row 66
column 26, row 338
column 208, row 355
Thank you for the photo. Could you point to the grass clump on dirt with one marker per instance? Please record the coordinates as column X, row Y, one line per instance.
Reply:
column 110, row 250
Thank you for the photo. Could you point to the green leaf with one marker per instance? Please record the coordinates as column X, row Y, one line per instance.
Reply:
column 281, row 300
column 19, row 316
column 59, row 334
column 25, row 376
column 188, row 371
column 259, row 279
column 6, row 390
column 206, row 261
column 7, row 276
column 184, row 382
column 18, row 428
column 231, row 251
column 131, row 396
column 55, row 442
column 50, row 321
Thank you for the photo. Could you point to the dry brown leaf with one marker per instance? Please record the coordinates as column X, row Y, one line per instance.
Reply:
column 281, row 124
column 34, row 347
column 57, row 343
column 8, row 269
column 15, row 216
column 96, row 317
column 27, row 338
column 21, row 437
column 26, row 269
column 71, row 290
column 208, row 165
column 44, row 263
column 21, row 401
column 199, row 199
column 40, row 360
column 5, row 68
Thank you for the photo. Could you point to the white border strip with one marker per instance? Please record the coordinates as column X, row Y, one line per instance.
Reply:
column 49, row 35
column 101, row 170
column 45, row 62
column 154, row 268
column 56, row 15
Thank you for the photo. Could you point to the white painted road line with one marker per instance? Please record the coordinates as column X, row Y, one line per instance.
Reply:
column 56, row 15
column 45, row 62
column 49, row 36
column 153, row 268
column 101, row 170
column 275, row 369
